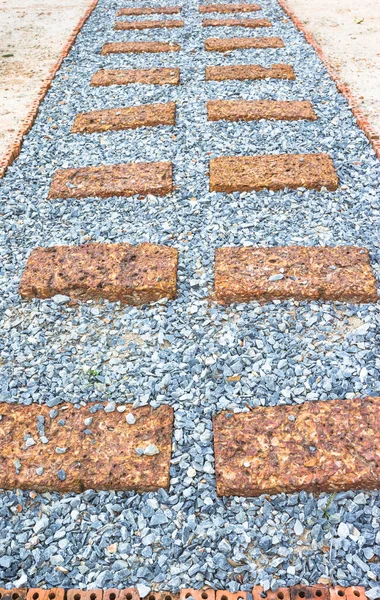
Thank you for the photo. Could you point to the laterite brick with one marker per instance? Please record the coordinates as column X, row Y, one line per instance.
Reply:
column 238, row 43
column 249, row 72
column 139, row 47
column 117, row 272
column 327, row 446
column 147, row 10
column 106, row 181
column 102, row 456
column 249, row 23
column 115, row 119
column 158, row 76
column 273, row 172
column 253, row 110
column 229, row 8
column 342, row 274
column 138, row 25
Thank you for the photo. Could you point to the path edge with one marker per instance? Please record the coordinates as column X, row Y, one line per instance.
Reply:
column 343, row 88
column 13, row 151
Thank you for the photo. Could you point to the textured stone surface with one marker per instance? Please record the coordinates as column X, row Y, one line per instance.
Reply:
column 251, row 72
column 273, row 172
column 139, row 47
column 228, row 44
column 229, row 8
column 118, row 272
column 302, row 272
column 128, row 25
column 147, row 10
column 317, row 446
column 159, row 76
column 113, row 180
column 251, row 23
column 114, row 119
column 253, row 110
column 105, row 459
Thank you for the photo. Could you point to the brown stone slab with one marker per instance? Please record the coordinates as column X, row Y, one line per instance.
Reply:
column 273, row 172
column 251, row 72
column 160, row 76
column 139, row 47
column 117, row 272
column 250, row 23
column 341, row 274
column 253, row 110
column 243, row 43
column 113, row 180
column 115, row 119
column 148, row 10
column 133, row 25
column 229, row 8
column 317, row 447
column 77, row 457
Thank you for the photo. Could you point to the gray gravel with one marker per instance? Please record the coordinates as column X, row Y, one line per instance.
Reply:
column 182, row 352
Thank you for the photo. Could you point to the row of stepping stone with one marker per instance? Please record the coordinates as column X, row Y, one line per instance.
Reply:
column 148, row 272
column 268, row 450
column 316, row 446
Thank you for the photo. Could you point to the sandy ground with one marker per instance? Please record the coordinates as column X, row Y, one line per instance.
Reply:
column 349, row 33
column 32, row 34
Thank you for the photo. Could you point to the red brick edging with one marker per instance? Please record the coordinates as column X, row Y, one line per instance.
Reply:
column 297, row 592
column 26, row 124
column 357, row 111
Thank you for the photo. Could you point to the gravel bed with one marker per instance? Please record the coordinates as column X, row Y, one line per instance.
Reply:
column 183, row 352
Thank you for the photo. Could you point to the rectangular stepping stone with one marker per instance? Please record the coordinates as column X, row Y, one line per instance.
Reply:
column 106, row 181
column 115, row 119
column 273, row 172
column 128, row 25
column 139, row 47
column 148, row 10
column 66, row 454
column 229, row 8
column 253, row 110
column 243, row 43
column 316, row 446
column 263, row 274
column 159, row 76
column 251, row 23
column 117, row 272
column 251, row 72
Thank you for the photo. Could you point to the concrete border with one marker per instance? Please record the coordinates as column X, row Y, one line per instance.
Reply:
column 26, row 124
